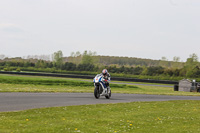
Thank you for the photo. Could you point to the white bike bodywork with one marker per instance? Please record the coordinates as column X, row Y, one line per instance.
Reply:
column 100, row 88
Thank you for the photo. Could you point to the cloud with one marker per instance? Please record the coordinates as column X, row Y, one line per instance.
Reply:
column 10, row 27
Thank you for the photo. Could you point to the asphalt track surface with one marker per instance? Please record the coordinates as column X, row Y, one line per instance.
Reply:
column 24, row 101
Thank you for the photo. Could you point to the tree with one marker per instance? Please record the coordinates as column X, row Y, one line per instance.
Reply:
column 87, row 57
column 72, row 54
column 164, row 58
column 164, row 62
column 154, row 70
column 176, row 59
column 191, row 66
column 137, row 70
column 69, row 66
column 194, row 57
column 58, row 59
column 192, row 61
column 194, row 72
column 176, row 62
column 77, row 54
column 2, row 56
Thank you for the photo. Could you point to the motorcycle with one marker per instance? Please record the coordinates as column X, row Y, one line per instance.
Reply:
column 100, row 87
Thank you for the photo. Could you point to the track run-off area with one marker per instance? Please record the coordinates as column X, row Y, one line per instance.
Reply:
column 23, row 101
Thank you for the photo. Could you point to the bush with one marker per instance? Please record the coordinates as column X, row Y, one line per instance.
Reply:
column 5, row 69
column 18, row 70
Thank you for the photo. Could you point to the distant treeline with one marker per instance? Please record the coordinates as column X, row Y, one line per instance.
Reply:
column 41, row 65
column 90, row 64
column 126, row 61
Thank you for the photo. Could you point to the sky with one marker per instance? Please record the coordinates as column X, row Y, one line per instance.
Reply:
column 149, row 29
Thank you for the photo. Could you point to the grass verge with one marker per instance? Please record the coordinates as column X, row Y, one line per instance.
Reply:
column 11, row 83
column 10, row 79
column 140, row 117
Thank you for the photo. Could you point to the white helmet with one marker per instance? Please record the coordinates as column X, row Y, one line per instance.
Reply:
column 104, row 72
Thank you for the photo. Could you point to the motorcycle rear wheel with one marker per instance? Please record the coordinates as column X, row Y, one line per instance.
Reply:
column 109, row 95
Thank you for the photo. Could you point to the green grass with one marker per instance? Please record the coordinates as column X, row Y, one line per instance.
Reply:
column 140, row 117
column 50, row 70
column 15, row 83
column 169, row 116
column 90, row 89
column 35, row 80
column 10, row 79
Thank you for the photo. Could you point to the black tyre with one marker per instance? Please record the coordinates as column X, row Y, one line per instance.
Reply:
column 96, row 92
column 198, row 90
column 109, row 95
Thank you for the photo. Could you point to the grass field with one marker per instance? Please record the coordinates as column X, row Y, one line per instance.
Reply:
column 15, row 83
column 140, row 117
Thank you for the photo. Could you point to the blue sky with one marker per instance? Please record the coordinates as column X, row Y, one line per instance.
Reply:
column 134, row 28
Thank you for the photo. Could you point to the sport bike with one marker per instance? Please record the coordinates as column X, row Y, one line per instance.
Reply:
column 100, row 87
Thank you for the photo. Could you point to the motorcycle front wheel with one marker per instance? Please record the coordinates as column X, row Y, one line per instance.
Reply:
column 96, row 92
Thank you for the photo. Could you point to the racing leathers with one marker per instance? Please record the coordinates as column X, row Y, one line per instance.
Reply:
column 106, row 79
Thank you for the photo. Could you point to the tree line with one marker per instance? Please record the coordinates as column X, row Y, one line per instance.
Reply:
column 90, row 62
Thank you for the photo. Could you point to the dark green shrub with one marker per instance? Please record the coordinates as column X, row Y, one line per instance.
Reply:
column 5, row 69
column 18, row 70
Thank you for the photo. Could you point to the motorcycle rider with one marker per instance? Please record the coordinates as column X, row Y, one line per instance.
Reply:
column 106, row 77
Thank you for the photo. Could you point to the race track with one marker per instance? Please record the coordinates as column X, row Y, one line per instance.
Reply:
column 24, row 101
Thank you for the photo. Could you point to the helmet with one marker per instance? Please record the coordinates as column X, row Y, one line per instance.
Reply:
column 104, row 72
